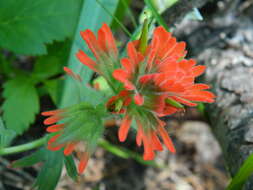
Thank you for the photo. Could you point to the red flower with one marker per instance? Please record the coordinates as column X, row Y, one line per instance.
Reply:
column 157, row 81
column 58, row 129
column 80, row 124
column 104, row 50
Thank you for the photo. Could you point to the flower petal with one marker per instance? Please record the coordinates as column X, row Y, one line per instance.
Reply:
column 166, row 139
column 198, row 70
column 55, row 128
column 124, row 128
column 91, row 41
column 138, row 99
column 52, row 119
column 110, row 41
column 157, row 145
column 83, row 162
column 84, row 59
column 69, row 148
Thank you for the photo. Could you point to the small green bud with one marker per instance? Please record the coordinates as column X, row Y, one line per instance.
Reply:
column 118, row 105
column 174, row 103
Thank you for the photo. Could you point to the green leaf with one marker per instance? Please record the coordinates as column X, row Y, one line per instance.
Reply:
column 30, row 160
column 50, row 172
column 92, row 17
column 53, row 88
column 156, row 14
column 242, row 175
column 50, row 65
column 51, row 169
column 21, row 103
column 70, row 167
column 27, row 25
column 124, row 7
column 5, row 65
column 6, row 135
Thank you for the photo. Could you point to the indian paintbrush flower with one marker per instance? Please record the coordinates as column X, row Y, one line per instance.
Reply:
column 158, row 80
column 152, row 81
column 72, row 126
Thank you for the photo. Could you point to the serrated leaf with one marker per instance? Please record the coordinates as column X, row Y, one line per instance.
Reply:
column 70, row 167
column 27, row 25
column 242, row 175
column 50, row 65
column 21, row 103
column 6, row 135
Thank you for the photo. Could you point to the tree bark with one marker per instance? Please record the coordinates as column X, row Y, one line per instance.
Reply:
column 177, row 12
column 225, row 45
column 230, row 70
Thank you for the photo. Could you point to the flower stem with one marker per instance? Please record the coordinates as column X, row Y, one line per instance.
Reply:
column 23, row 147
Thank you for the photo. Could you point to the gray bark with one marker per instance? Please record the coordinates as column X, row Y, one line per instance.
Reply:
column 230, row 70
column 225, row 45
column 177, row 12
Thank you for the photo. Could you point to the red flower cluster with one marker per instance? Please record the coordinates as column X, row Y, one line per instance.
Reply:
column 104, row 50
column 147, row 86
column 153, row 81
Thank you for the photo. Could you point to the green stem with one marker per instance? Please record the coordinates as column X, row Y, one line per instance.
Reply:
column 23, row 147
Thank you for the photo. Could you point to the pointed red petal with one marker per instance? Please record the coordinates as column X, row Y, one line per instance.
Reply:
column 55, row 128
column 91, row 41
column 199, row 87
column 111, row 45
column 166, row 139
column 53, row 112
column 124, row 128
column 183, row 101
column 52, row 119
column 157, row 145
column 54, row 148
column 201, row 96
column 69, row 148
column 127, row 64
column 83, row 163
column 148, row 149
column 138, row 99
column 139, row 133
column 102, row 40
column 84, row 59
column 132, row 53
column 72, row 74
column 54, row 138
column 51, row 141
column 198, row 70
column 122, row 76
column 145, row 78
column 178, row 50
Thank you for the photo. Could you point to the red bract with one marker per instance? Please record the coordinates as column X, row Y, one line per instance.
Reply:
column 104, row 50
column 148, row 84
column 157, row 81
